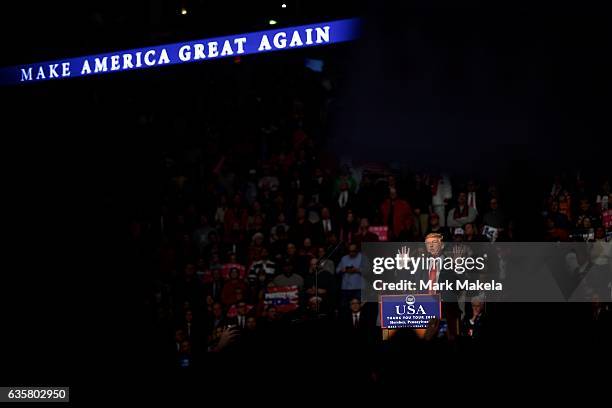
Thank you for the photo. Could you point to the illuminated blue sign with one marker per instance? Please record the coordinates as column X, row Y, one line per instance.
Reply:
column 179, row 53
column 408, row 311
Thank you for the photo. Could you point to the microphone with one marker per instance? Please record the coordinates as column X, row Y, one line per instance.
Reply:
column 327, row 256
column 320, row 265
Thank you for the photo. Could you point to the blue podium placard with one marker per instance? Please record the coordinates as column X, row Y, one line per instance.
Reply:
column 408, row 311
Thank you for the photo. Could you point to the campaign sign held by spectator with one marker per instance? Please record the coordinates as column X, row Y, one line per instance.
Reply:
column 284, row 298
column 408, row 311
column 490, row 232
column 606, row 217
column 381, row 230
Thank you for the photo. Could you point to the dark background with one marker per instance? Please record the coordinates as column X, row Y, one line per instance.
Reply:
column 513, row 91
column 78, row 168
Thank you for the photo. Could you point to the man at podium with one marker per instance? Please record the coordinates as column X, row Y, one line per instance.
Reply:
column 433, row 272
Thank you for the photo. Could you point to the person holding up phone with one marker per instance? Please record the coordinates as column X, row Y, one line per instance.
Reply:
column 474, row 325
column 350, row 268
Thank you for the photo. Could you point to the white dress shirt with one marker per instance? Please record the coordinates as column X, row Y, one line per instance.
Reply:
column 471, row 200
column 327, row 225
column 343, row 198
column 356, row 318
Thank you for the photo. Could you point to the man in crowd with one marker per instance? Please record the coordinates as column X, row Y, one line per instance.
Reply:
column 474, row 326
column 495, row 217
column 364, row 234
column 441, row 193
column 232, row 287
column 435, row 227
column 325, row 226
column 396, row 214
column 350, row 268
column 288, row 277
column 318, row 283
column 462, row 213
column 263, row 264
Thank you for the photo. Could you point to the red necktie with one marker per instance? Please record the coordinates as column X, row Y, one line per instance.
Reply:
column 432, row 277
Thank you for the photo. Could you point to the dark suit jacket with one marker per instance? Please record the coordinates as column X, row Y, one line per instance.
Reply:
column 319, row 232
column 214, row 289
column 368, row 331
column 234, row 321
column 212, row 325
column 340, row 212
column 482, row 201
column 451, row 277
column 445, row 275
column 346, row 321
column 478, row 328
column 298, row 232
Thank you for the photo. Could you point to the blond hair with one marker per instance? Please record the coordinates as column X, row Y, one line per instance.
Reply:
column 434, row 235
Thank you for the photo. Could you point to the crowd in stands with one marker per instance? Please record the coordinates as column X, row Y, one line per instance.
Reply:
column 274, row 215
column 577, row 211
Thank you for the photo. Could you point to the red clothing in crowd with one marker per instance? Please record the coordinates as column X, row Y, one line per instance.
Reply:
column 360, row 237
column 557, row 234
column 225, row 270
column 228, row 294
column 233, row 215
column 233, row 310
column 565, row 208
column 402, row 214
